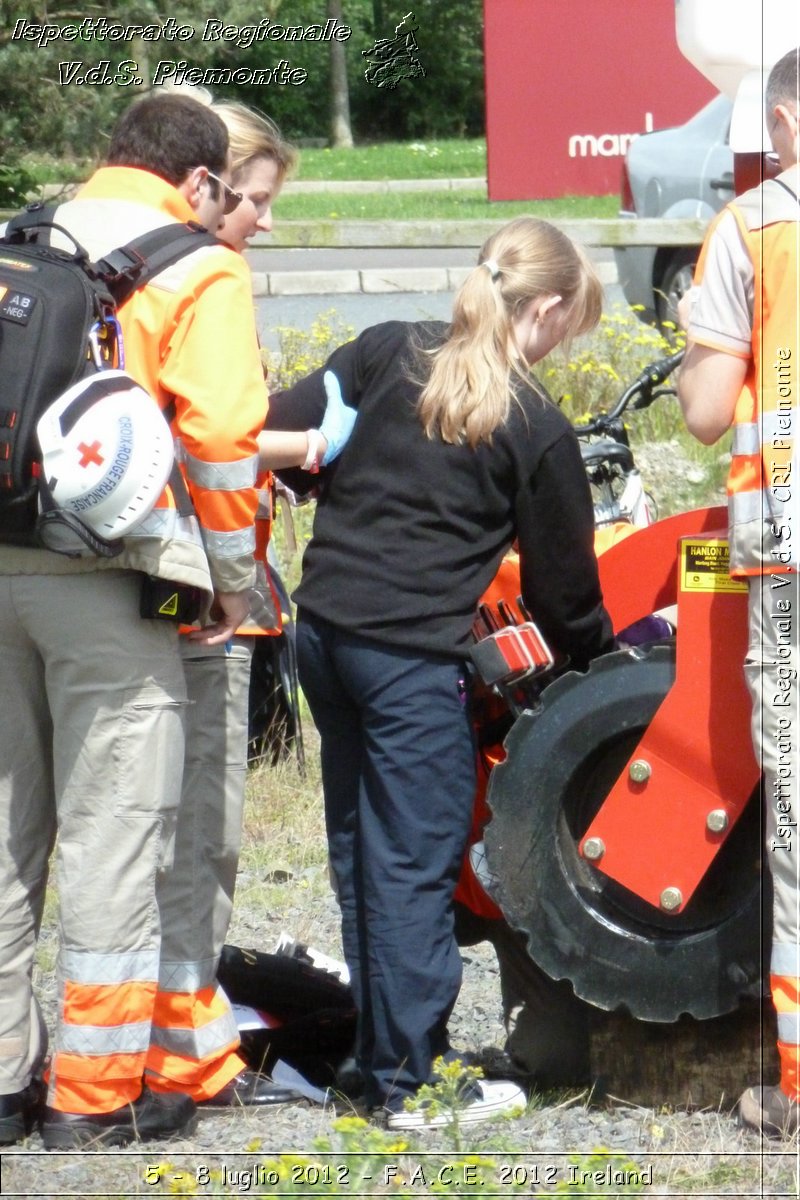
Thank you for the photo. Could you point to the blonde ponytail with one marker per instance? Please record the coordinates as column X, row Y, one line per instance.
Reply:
column 467, row 395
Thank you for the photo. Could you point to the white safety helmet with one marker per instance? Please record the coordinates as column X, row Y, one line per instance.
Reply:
column 107, row 453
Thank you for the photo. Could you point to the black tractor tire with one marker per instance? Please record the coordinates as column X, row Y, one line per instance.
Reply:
column 620, row 952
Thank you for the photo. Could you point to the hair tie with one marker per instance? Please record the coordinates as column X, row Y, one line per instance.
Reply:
column 491, row 267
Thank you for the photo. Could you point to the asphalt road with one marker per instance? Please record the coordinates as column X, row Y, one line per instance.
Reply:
column 355, row 309
column 360, row 310
column 340, row 258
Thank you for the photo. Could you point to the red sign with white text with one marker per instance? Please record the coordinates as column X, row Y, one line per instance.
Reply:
column 570, row 82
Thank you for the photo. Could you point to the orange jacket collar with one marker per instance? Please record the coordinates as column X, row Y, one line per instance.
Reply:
column 138, row 186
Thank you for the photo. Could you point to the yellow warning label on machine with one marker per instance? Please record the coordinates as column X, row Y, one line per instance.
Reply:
column 704, row 566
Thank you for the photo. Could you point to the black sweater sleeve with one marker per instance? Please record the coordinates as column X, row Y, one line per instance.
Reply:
column 302, row 406
column 560, row 583
column 299, row 407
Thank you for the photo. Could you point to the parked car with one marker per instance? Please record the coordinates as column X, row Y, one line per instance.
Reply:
column 682, row 172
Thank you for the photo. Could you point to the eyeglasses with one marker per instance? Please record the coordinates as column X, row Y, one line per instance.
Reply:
column 232, row 198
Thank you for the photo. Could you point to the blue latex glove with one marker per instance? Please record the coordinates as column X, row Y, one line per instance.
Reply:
column 338, row 422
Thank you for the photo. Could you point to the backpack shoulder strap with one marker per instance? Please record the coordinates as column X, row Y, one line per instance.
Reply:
column 35, row 220
column 34, row 214
column 131, row 266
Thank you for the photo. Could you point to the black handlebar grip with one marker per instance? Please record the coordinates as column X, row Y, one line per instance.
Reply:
column 657, row 372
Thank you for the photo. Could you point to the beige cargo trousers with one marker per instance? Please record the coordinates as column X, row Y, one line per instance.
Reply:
column 91, row 746
column 771, row 670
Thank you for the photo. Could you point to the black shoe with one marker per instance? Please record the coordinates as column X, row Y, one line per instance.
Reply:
column 155, row 1116
column 21, row 1112
column 248, row 1087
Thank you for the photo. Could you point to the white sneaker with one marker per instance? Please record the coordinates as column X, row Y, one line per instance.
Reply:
column 497, row 1096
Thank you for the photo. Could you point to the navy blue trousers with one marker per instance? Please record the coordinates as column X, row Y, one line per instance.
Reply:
column 398, row 773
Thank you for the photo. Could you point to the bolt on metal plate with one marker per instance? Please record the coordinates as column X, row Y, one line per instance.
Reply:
column 640, row 770
column 717, row 820
column 671, row 898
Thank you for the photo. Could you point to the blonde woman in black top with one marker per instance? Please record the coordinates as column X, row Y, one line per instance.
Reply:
column 457, row 452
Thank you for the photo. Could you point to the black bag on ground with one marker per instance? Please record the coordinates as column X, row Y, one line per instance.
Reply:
column 57, row 326
column 316, row 1009
column 274, row 726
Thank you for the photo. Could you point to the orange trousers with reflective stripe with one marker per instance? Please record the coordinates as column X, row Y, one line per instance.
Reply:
column 773, row 657
column 91, row 740
column 786, row 998
column 194, row 1044
column 195, row 1038
column 97, row 1017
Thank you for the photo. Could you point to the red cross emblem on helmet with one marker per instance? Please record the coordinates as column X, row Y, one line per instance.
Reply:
column 89, row 454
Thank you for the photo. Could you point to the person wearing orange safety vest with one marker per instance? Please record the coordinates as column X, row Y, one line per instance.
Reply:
column 741, row 371
column 195, row 1045
column 195, row 1039
column 91, row 725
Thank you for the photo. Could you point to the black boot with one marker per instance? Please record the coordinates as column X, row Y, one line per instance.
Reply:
column 155, row 1116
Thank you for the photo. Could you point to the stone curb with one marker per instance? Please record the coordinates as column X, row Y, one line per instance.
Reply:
column 298, row 187
column 374, row 281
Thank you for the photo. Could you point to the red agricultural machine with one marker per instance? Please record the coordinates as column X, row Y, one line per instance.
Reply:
column 625, row 818
column 625, row 829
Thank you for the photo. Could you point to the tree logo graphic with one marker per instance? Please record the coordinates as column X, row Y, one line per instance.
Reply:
column 394, row 59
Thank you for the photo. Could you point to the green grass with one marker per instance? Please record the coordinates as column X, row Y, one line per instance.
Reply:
column 450, row 158
column 446, row 159
column 429, row 206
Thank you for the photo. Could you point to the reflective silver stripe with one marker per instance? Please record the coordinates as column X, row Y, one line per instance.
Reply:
column 222, row 476
column 138, row 966
column 789, row 1028
column 230, row 545
column 104, row 1039
column 750, row 506
column 785, row 959
column 746, row 439
column 173, row 277
column 769, row 506
column 197, row 1043
column 167, row 525
column 784, row 423
column 187, row 976
column 751, row 545
column 752, row 437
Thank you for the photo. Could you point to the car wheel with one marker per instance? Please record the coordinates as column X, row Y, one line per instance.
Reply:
column 675, row 280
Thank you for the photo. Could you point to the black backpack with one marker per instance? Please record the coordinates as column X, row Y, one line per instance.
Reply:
column 317, row 1015
column 58, row 325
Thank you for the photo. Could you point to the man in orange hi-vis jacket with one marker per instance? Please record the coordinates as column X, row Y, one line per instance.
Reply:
column 91, row 720
column 741, row 371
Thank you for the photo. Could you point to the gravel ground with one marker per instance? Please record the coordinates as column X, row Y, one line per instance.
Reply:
column 689, row 1153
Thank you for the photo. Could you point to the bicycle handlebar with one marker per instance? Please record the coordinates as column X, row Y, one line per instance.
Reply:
column 655, row 374
column 644, row 386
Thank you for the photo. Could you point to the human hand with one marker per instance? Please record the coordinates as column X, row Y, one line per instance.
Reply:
column 338, row 422
column 685, row 306
column 231, row 610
